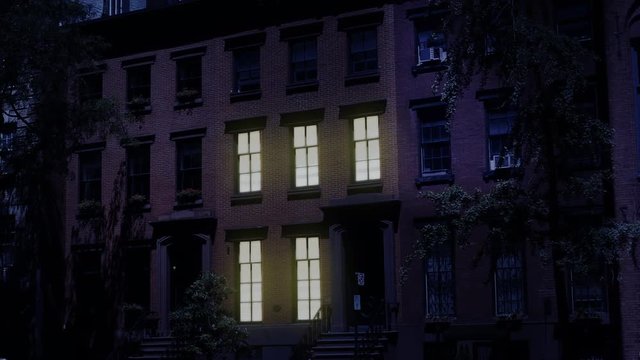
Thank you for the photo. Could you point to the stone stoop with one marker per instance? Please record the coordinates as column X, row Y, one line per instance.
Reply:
column 342, row 346
column 155, row 348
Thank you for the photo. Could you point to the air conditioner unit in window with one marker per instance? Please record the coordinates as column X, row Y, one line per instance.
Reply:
column 502, row 161
column 431, row 53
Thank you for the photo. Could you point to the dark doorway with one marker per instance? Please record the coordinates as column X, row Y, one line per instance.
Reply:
column 137, row 274
column 364, row 277
column 185, row 266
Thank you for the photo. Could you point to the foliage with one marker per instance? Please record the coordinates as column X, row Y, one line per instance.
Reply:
column 43, row 46
column 188, row 196
column 89, row 209
column 202, row 325
column 554, row 206
column 187, row 94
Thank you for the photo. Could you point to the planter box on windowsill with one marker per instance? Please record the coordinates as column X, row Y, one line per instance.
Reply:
column 187, row 205
column 89, row 210
column 138, row 107
column 187, row 103
column 436, row 326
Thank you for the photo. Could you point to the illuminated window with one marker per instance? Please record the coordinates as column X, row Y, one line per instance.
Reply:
column 305, row 145
column 367, row 148
column 308, row 274
column 250, row 281
column 249, row 164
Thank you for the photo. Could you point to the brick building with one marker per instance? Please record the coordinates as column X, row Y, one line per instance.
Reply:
column 285, row 151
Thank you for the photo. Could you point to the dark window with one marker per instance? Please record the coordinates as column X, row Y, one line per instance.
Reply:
column 588, row 293
column 363, row 51
column 435, row 140
column 304, row 64
column 189, row 78
column 509, row 284
column 90, row 87
column 500, row 142
column 90, row 175
column 574, row 20
column 138, row 171
column 247, row 69
column 139, row 83
column 431, row 41
column 440, row 281
column 189, row 164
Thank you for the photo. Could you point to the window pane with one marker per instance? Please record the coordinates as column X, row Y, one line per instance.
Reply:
column 256, row 292
column 314, row 178
column 301, row 157
column 255, row 182
column 256, row 272
column 303, row 310
column 361, row 171
column 255, row 162
column 243, row 166
column 359, row 129
column 257, row 311
column 245, row 292
column 314, row 248
column 314, row 269
column 374, row 169
column 255, row 251
column 303, row 270
column 298, row 136
column 301, row 177
column 361, row 150
column 372, row 127
column 312, row 156
column 301, row 248
column 243, row 143
column 254, row 141
column 245, row 312
column 245, row 273
column 245, row 183
column 312, row 135
column 303, row 290
column 244, row 252
column 314, row 288
column 374, row 149
column 314, row 307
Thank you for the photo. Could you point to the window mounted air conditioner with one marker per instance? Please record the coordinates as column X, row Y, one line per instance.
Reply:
column 430, row 53
column 499, row 161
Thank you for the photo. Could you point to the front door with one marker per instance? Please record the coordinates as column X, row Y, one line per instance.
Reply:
column 185, row 266
column 364, row 275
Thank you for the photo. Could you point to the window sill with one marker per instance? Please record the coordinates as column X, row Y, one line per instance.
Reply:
column 296, row 88
column 503, row 173
column 362, row 78
column 245, row 96
column 188, row 205
column 187, row 104
column 311, row 192
column 428, row 67
column 434, row 179
column 374, row 186
column 246, row 199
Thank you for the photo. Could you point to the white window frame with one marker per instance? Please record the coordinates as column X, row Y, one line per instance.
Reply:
column 308, row 277
column 249, row 161
column 366, row 139
column 250, row 280
column 305, row 148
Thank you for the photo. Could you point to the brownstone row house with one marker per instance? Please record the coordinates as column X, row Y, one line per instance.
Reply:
column 284, row 150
